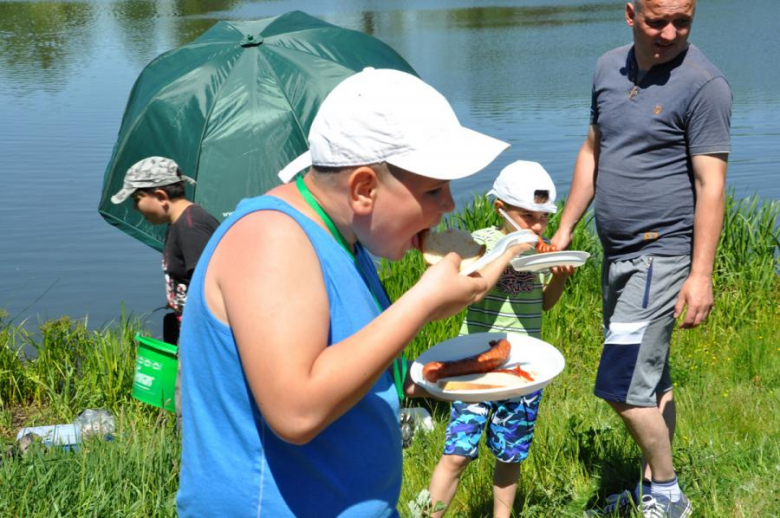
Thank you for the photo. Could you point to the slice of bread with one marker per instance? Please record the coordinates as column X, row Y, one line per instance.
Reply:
column 466, row 385
column 435, row 245
column 488, row 380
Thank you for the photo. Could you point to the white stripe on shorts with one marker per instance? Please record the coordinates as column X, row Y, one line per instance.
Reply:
column 625, row 333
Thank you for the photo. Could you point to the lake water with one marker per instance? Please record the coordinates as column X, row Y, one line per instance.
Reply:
column 519, row 71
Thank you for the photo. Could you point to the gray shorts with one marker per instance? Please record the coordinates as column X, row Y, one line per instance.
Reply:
column 639, row 298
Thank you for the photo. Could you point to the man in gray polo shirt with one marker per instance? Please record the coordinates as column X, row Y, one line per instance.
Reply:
column 655, row 160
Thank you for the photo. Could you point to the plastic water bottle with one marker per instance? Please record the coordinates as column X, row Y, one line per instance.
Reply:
column 67, row 436
column 90, row 422
column 98, row 422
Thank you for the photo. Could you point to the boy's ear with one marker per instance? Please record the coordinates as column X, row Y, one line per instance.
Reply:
column 362, row 183
column 498, row 204
column 161, row 195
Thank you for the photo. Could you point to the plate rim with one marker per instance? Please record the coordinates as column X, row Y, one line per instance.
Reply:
column 478, row 395
column 529, row 260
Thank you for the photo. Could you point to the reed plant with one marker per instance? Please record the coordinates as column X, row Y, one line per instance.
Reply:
column 726, row 373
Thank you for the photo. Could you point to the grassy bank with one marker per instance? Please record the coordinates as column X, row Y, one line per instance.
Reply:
column 726, row 374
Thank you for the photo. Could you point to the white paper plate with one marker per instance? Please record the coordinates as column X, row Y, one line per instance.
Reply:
column 539, row 358
column 545, row 261
column 515, row 238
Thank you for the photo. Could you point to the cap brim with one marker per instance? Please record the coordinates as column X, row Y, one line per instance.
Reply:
column 533, row 207
column 301, row 163
column 456, row 154
column 122, row 195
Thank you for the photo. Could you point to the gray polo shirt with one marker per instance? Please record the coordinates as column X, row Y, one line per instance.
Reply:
column 650, row 127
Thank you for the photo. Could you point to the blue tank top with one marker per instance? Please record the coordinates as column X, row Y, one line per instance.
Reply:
column 232, row 462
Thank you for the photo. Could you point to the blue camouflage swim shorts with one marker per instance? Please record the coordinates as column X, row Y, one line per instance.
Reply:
column 509, row 434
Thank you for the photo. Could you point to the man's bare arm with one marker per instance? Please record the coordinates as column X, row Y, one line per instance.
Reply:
column 710, row 184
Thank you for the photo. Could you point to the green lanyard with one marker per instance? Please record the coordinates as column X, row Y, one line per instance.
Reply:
column 398, row 377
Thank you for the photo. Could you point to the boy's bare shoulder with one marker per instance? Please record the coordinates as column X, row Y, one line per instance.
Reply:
column 262, row 254
column 263, row 239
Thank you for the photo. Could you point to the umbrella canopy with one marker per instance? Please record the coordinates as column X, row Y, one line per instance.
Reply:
column 234, row 107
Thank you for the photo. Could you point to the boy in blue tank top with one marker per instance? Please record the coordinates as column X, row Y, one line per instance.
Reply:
column 289, row 409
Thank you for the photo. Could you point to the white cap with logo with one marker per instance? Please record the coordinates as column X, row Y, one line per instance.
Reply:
column 384, row 115
column 517, row 183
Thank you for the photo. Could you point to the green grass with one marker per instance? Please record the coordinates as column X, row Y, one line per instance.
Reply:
column 136, row 474
column 726, row 374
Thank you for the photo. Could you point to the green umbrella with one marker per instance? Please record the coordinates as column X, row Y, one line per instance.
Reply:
column 233, row 107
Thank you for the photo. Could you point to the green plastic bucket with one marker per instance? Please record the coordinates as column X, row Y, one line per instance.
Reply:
column 155, row 373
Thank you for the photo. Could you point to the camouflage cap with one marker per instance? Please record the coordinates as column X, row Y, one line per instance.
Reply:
column 153, row 171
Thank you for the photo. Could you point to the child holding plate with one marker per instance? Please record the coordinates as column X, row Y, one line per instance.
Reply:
column 524, row 193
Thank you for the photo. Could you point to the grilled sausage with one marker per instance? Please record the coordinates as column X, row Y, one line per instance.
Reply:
column 543, row 247
column 482, row 362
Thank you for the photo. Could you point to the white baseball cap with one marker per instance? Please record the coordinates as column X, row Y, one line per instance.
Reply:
column 384, row 115
column 517, row 182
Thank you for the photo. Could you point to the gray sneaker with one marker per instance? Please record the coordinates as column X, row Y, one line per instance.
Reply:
column 659, row 506
column 642, row 488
